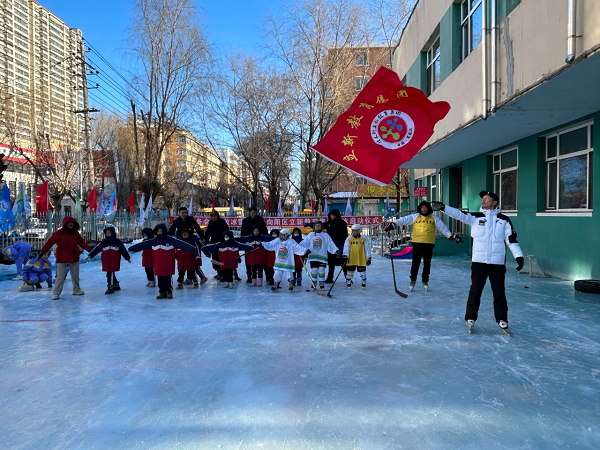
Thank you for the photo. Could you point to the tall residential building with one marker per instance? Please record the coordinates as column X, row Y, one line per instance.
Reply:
column 39, row 93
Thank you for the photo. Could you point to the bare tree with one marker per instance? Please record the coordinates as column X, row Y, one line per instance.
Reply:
column 171, row 52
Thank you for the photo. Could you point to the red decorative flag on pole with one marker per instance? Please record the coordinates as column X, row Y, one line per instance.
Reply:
column 312, row 205
column 92, row 199
column 213, row 204
column 129, row 203
column 387, row 124
column 43, row 203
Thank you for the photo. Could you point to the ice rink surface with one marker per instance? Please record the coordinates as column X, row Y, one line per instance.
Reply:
column 247, row 369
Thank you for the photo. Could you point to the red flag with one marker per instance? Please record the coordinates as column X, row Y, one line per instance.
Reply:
column 213, row 204
column 387, row 124
column 129, row 203
column 92, row 199
column 269, row 203
column 42, row 204
column 312, row 206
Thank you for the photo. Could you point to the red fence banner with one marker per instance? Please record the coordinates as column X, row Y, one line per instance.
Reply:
column 291, row 222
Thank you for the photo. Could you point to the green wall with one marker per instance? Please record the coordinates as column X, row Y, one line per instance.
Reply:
column 565, row 247
column 450, row 41
column 417, row 74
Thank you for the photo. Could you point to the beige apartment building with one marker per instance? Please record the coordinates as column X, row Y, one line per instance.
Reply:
column 523, row 81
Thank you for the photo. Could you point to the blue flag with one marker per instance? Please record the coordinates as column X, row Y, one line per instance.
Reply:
column 231, row 212
column 387, row 211
column 6, row 213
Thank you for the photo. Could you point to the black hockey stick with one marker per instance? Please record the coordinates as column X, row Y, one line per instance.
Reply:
column 401, row 294
column 234, row 259
column 334, row 281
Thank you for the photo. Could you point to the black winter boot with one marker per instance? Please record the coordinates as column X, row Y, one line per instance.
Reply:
column 110, row 290
column 116, row 286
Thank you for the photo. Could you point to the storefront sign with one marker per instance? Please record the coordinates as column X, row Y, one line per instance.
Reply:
column 420, row 192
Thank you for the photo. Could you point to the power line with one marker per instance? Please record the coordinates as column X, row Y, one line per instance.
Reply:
column 108, row 103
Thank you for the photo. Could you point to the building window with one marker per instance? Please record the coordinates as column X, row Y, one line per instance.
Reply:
column 362, row 59
column 180, row 139
column 361, row 82
column 389, row 58
column 505, row 169
column 470, row 25
column 433, row 67
column 433, row 191
column 569, row 168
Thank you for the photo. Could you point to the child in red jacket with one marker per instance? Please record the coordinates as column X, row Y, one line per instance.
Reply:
column 67, row 240
column 228, row 252
column 163, row 247
column 270, row 260
column 188, row 261
column 148, row 259
column 112, row 249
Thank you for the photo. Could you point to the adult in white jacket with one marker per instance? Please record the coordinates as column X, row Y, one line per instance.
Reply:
column 491, row 231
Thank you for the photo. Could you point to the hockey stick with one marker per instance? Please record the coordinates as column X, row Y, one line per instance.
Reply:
column 334, row 281
column 314, row 285
column 235, row 259
column 401, row 294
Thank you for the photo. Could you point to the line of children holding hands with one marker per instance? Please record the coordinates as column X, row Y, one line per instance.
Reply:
column 279, row 256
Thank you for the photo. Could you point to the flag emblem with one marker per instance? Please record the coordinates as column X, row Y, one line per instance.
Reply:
column 392, row 129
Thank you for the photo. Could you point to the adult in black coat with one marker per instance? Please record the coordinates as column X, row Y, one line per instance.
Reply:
column 248, row 224
column 185, row 221
column 337, row 229
column 214, row 230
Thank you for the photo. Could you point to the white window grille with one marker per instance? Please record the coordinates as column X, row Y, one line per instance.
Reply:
column 505, row 169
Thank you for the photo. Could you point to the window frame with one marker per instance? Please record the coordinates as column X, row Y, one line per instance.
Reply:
column 556, row 160
column 365, row 80
column 431, row 61
column 365, row 61
column 466, row 22
column 500, row 171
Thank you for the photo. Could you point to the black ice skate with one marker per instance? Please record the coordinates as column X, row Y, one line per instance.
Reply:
column 110, row 290
column 292, row 283
column 363, row 284
column 349, row 283
column 275, row 287
column 116, row 286
column 179, row 286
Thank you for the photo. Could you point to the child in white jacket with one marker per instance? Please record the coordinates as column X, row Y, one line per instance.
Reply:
column 284, row 249
column 319, row 244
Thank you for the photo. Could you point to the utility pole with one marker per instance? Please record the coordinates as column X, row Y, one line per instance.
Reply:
column 88, row 167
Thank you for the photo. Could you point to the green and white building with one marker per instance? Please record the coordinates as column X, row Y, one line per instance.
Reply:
column 523, row 81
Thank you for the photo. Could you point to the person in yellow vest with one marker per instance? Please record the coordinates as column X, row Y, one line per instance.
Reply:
column 423, row 239
column 357, row 256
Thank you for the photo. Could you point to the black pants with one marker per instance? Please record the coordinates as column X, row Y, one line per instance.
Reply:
column 479, row 274
column 149, row 273
column 424, row 251
column 298, row 273
column 200, row 273
column 215, row 256
column 332, row 262
column 249, row 271
column 256, row 271
column 164, row 284
column 111, row 278
column 269, row 273
column 191, row 275
column 227, row 275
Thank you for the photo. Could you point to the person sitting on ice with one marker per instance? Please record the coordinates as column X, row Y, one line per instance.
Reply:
column 17, row 254
column 163, row 254
column 147, row 259
column 319, row 244
column 228, row 255
column 299, row 261
column 423, row 239
column 256, row 259
column 491, row 231
column 357, row 256
column 112, row 249
column 284, row 249
column 188, row 261
column 37, row 270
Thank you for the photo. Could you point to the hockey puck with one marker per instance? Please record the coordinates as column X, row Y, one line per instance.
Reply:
column 308, row 290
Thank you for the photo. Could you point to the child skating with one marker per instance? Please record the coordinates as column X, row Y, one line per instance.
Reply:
column 147, row 258
column 228, row 252
column 319, row 244
column 284, row 249
column 188, row 261
column 357, row 256
column 299, row 261
column 36, row 271
column 112, row 249
column 270, row 260
column 423, row 239
column 163, row 248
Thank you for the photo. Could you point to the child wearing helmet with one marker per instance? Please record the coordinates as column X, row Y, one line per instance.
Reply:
column 357, row 256
column 284, row 249
column 319, row 244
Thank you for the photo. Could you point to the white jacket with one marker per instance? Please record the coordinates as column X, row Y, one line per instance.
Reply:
column 490, row 230
column 284, row 253
column 319, row 244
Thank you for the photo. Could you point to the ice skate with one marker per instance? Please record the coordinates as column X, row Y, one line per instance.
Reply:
column 470, row 324
column 179, row 286
column 161, row 295
column 196, row 285
column 169, row 295
column 322, row 286
column 203, row 280
column 349, row 283
column 411, row 286
column 151, row 284
column 363, row 284
column 299, row 281
column 425, row 286
column 292, row 284
column 148, row 284
column 187, row 282
column 38, row 286
column 110, row 290
column 504, row 326
column 275, row 287
column 116, row 286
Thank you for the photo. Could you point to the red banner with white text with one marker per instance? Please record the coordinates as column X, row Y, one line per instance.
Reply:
column 291, row 222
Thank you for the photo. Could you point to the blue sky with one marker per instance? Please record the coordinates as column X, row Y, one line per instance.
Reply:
column 231, row 25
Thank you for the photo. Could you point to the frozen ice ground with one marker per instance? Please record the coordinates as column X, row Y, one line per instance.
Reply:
column 247, row 369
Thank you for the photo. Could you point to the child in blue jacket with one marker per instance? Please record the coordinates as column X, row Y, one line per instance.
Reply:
column 36, row 271
column 17, row 254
